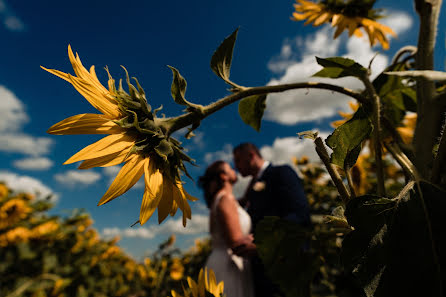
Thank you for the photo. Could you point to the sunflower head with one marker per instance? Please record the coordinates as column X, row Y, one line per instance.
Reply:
column 349, row 15
column 137, row 137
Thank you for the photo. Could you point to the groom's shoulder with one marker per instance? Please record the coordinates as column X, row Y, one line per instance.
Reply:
column 281, row 170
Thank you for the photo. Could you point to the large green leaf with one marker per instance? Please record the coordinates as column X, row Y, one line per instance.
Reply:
column 337, row 67
column 390, row 251
column 346, row 140
column 251, row 110
column 222, row 57
column 280, row 246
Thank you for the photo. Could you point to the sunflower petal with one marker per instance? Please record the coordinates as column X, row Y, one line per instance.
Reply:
column 129, row 174
column 165, row 204
column 106, row 146
column 153, row 192
column 106, row 161
column 86, row 123
column 83, row 73
column 58, row 73
column 98, row 100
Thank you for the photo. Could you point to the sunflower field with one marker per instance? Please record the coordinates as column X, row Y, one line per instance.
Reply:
column 44, row 255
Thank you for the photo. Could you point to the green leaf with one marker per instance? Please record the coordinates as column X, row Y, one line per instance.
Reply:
column 222, row 57
column 251, row 110
column 390, row 251
column 346, row 140
column 337, row 67
column 280, row 246
column 178, row 88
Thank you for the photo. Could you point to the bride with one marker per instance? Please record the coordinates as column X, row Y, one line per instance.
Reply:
column 229, row 225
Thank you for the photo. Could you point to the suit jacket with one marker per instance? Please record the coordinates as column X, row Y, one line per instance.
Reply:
column 278, row 192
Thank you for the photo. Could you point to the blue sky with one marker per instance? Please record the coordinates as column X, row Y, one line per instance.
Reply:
column 145, row 37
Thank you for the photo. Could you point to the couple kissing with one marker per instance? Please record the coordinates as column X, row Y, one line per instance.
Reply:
column 273, row 191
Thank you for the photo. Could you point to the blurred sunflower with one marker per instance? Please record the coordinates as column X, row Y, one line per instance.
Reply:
column 44, row 229
column 344, row 15
column 407, row 130
column 13, row 236
column 176, row 269
column 137, row 137
column 13, row 211
column 205, row 284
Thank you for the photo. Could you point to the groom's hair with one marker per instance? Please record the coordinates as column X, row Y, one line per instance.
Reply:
column 247, row 147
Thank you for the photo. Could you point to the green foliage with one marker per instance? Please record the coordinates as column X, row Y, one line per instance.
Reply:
column 282, row 247
column 222, row 57
column 395, row 247
column 338, row 67
column 346, row 140
column 178, row 88
column 53, row 256
column 251, row 110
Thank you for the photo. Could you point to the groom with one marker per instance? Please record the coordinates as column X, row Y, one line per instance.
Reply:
column 273, row 191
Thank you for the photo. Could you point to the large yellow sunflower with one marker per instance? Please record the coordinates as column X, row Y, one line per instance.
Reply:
column 335, row 13
column 135, row 137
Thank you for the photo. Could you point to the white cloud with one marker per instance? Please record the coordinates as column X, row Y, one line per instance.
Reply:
column 22, row 183
column 11, row 22
column 292, row 107
column 39, row 163
column 399, row 21
column 14, row 24
column 72, row 178
column 198, row 224
column 225, row 154
column 284, row 149
column 25, row 144
column 12, row 111
column 12, row 118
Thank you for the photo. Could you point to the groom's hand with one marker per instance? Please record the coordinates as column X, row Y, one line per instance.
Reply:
column 245, row 247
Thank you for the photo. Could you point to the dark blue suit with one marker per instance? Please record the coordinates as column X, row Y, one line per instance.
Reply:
column 281, row 194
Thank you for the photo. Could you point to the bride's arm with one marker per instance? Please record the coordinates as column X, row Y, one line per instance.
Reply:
column 227, row 215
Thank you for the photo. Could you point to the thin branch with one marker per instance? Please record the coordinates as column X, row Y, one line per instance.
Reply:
column 404, row 191
column 350, row 181
column 404, row 50
column 176, row 123
column 334, row 174
column 408, row 167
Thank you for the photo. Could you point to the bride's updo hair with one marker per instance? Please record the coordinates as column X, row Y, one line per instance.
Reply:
column 211, row 182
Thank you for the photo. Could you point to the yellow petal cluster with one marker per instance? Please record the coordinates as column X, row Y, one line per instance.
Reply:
column 318, row 14
column 162, row 191
column 204, row 283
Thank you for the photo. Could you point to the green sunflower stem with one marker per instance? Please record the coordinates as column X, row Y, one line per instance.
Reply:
column 376, row 103
column 334, row 174
column 173, row 124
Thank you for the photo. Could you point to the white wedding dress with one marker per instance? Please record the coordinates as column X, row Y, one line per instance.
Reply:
column 233, row 270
